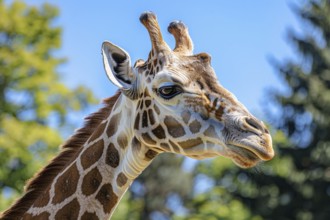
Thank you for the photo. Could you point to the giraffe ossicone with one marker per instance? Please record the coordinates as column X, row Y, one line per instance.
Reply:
column 172, row 102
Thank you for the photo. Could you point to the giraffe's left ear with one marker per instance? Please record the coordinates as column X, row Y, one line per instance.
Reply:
column 117, row 65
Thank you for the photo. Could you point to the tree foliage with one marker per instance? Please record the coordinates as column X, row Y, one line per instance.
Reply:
column 34, row 103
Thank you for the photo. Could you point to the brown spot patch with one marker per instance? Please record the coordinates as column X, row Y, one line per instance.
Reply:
column 151, row 117
column 107, row 197
column 157, row 110
column 190, row 143
column 195, row 126
column 214, row 104
column 219, row 112
column 66, row 184
column 113, row 125
column 159, row 132
column 28, row 216
column 112, row 157
column 210, row 132
column 91, row 182
column 146, row 137
column 121, row 179
column 42, row 200
column 152, row 71
column 89, row 216
column 145, row 119
column 186, row 116
column 137, row 121
column 136, row 145
column 122, row 141
column 142, row 105
column 92, row 154
column 174, row 128
column 99, row 131
column 148, row 102
column 150, row 154
column 69, row 212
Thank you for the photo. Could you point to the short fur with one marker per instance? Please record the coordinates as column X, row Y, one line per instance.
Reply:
column 70, row 148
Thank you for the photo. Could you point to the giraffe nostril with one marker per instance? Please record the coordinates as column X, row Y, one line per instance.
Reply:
column 253, row 125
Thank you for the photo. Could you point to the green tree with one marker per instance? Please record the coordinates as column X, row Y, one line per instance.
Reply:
column 305, row 119
column 296, row 183
column 34, row 104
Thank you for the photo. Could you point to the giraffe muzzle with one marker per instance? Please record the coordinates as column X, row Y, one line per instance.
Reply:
column 252, row 142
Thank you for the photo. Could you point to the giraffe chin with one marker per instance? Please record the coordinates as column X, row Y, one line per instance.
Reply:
column 242, row 157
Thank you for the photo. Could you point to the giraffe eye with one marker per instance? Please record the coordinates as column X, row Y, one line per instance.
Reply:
column 168, row 92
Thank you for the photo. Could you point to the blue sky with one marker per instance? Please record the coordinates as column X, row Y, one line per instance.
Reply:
column 238, row 34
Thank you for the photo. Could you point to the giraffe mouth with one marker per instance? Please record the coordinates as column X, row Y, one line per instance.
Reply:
column 243, row 157
column 248, row 152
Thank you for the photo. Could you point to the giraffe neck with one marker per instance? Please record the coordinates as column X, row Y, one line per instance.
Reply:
column 92, row 185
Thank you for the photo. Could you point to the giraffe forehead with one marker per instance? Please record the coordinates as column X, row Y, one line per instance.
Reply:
column 172, row 61
column 193, row 74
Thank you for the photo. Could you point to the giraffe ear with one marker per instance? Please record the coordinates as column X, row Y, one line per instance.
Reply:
column 117, row 65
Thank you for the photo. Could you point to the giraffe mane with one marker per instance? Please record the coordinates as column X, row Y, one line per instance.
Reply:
column 41, row 181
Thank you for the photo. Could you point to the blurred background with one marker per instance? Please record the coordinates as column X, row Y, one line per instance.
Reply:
column 273, row 55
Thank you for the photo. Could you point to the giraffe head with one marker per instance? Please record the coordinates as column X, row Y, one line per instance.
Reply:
column 178, row 104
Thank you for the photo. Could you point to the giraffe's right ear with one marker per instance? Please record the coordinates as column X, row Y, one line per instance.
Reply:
column 117, row 65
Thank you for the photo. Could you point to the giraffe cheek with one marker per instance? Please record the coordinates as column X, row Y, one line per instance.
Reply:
column 174, row 128
column 195, row 126
column 211, row 132
column 186, row 116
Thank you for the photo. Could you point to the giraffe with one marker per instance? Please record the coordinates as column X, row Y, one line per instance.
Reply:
column 172, row 102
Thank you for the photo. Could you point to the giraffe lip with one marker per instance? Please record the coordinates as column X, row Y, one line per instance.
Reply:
column 243, row 157
column 262, row 151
